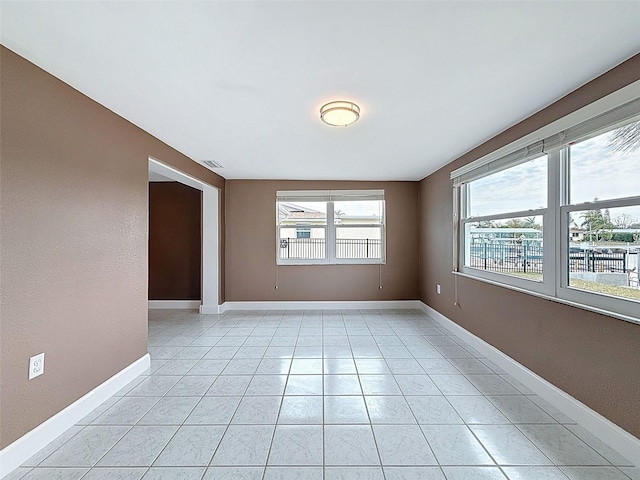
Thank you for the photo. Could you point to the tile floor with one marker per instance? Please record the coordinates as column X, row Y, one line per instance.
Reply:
column 333, row 395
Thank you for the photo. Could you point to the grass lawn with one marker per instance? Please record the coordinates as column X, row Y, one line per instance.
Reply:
column 624, row 292
column 613, row 290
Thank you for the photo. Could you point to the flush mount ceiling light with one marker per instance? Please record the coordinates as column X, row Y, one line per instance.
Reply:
column 340, row 114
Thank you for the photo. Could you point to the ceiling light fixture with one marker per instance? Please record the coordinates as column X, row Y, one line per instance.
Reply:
column 340, row 114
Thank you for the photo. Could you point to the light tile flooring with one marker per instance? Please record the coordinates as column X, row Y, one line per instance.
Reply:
column 351, row 395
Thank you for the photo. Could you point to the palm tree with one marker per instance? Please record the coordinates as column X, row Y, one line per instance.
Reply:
column 530, row 222
column 597, row 223
column 625, row 139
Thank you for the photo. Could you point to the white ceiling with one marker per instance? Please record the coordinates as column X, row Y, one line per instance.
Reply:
column 241, row 83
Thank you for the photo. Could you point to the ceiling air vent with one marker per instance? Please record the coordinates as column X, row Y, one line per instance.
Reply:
column 212, row 164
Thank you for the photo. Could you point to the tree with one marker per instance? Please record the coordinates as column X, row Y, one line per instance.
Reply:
column 597, row 223
column 625, row 139
column 513, row 223
column 623, row 221
column 529, row 222
column 485, row 224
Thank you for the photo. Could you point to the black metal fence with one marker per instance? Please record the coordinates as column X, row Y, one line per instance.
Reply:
column 302, row 248
column 358, row 248
column 605, row 260
column 510, row 257
column 314, row 248
column 526, row 256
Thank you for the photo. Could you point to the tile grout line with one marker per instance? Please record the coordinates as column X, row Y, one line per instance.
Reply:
column 395, row 325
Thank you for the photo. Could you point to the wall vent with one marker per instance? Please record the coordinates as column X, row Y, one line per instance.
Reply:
column 212, row 164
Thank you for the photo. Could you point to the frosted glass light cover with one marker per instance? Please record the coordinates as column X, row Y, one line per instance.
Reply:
column 340, row 114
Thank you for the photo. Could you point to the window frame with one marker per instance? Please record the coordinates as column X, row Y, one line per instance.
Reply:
column 572, row 294
column 523, row 283
column 555, row 284
column 329, row 198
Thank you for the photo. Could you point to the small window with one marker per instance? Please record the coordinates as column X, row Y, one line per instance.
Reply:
column 359, row 229
column 306, row 242
column 303, row 232
column 331, row 227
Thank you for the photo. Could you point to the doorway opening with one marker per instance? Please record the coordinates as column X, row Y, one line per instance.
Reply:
column 209, row 246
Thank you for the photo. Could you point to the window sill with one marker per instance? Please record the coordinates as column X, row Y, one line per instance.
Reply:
column 552, row 298
column 363, row 262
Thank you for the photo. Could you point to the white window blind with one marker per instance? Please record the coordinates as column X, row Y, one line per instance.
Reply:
column 491, row 164
column 328, row 195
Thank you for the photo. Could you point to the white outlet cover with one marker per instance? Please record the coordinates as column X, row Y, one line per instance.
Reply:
column 36, row 366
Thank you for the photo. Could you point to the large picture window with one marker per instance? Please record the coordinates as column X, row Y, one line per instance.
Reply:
column 330, row 227
column 559, row 217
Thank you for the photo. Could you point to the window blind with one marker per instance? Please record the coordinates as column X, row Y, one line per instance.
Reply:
column 328, row 195
column 489, row 164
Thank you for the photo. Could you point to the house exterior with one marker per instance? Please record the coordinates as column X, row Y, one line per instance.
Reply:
column 576, row 234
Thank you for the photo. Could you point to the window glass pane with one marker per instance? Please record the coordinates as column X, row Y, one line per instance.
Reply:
column 307, row 213
column 511, row 247
column 303, row 232
column 523, row 187
column 359, row 242
column 293, row 246
column 603, row 251
column 606, row 166
column 367, row 212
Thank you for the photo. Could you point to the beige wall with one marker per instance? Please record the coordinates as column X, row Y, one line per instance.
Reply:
column 594, row 358
column 73, row 256
column 251, row 240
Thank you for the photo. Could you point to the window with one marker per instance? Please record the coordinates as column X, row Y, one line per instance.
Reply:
column 503, row 224
column 303, row 232
column 603, row 201
column 559, row 217
column 330, row 227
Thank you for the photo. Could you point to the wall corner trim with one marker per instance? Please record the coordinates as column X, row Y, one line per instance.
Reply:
column 323, row 305
column 16, row 453
column 607, row 431
column 212, row 309
column 174, row 304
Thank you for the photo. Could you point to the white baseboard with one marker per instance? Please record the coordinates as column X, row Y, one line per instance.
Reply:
column 607, row 431
column 174, row 304
column 15, row 454
column 324, row 305
column 211, row 309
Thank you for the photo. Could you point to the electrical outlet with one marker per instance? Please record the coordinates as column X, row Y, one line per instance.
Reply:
column 438, row 289
column 36, row 366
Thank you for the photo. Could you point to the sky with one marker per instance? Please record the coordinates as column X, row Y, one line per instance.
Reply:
column 348, row 208
column 596, row 172
column 364, row 208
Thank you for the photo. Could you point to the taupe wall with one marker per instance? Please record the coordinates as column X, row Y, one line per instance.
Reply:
column 251, row 239
column 74, row 242
column 594, row 358
column 175, row 241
